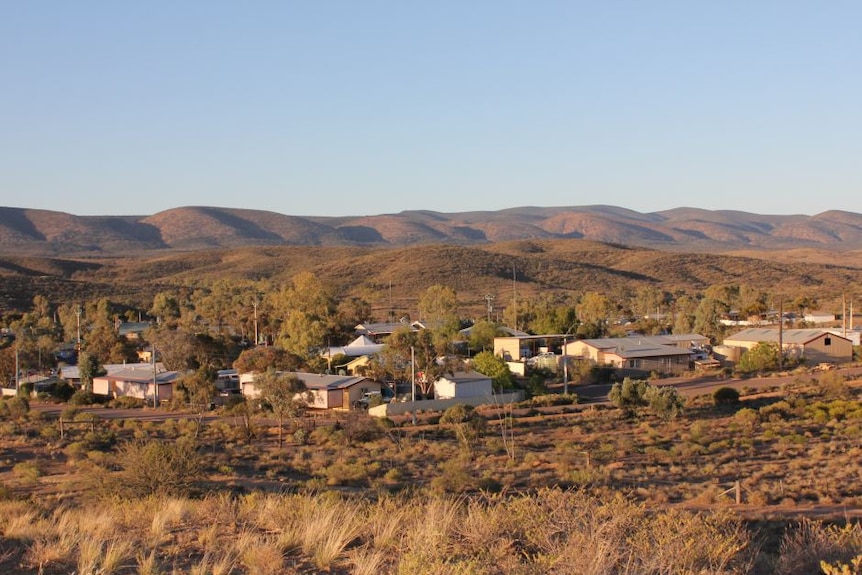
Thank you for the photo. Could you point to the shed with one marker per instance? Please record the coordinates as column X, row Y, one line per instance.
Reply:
column 463, row 384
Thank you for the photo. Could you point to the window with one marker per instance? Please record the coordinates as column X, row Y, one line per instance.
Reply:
column 827, row 340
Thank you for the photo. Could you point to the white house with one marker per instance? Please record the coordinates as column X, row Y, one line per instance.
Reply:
column 463, row 384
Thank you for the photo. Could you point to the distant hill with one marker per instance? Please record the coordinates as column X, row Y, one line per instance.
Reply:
column 47, row 233
column 393, row 278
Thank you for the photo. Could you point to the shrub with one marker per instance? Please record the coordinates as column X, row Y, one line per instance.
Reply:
column 465, row 422
column 628, row 395
column 128, row 402
column 725, row 396
column 16, row 407
column 159, row 467
column 82, row 397
column 664, row 401
column 27, row 471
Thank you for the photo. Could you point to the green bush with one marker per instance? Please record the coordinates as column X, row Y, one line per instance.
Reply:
column 127, row 402
column 725, row 396
column 15, row 407
column 82, row 397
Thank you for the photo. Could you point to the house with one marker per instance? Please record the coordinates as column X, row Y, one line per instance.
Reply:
column 327, row 391
column 818, row 318
column 812, row 345
column 72, row 374
column 132, row 330
column 362, row 345
column 516, row 347
column 635, row 355
column 463, row 384
column 140, row 383
column 355, row 366
column 508, row 331
column 379, row 331
column 227, row 381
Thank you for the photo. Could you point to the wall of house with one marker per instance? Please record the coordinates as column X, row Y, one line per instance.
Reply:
column 447, row 389
column 509, row 348
column 647, row 365
column 400, row 408
column 839, row 350
column 581, row 349
column 357, row 391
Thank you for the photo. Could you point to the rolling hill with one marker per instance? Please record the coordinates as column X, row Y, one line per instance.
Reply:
column 47, row 233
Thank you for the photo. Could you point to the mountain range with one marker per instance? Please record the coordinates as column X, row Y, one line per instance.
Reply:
column 51, row 233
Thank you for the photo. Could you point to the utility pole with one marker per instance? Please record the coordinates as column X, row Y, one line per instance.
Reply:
column 489, row 298
column 78, row 319
column 413, row 383
column 514, row 300
column 780, row 334
column 155, row 381
column 254, row 303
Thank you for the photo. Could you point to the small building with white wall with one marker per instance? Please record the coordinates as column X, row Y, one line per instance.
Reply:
column 463, row 384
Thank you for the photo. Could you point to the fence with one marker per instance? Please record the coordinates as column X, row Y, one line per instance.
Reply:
column 400, row 408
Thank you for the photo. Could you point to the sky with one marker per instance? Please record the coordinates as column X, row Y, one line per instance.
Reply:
column 350, row 108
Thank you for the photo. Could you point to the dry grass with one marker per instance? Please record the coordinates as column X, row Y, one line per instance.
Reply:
column 548, row 532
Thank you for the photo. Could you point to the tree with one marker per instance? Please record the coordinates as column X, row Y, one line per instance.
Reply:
column 200, row 388
column 305, row 312
column 594, row 309
column 261, row 358
column 166, row 309
column 684, row 310
column 438, row 307
column 482, row 335
column 763, row 356
column 405, row 345
column 465, row 422
column 496, row 368
column 88, row 368
column 707, row 317
column 286, row 395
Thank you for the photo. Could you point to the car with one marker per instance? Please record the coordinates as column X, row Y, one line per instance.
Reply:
column 543, row 359
column 370, row 398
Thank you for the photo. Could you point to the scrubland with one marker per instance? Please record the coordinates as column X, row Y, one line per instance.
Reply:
column 522, row 490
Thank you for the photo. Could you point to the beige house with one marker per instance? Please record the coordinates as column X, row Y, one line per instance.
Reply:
column 635, row 356
column 812, row 345
column 327, row 391
column 139, row 383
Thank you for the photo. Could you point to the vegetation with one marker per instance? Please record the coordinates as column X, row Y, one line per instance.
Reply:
column 543, row 487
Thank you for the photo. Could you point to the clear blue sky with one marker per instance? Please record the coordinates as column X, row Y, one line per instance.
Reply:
column 368, row 107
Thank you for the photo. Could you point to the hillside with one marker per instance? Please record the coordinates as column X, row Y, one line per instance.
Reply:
column 47, row 233
column 392, row 278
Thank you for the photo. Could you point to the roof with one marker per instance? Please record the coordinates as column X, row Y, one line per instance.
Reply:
column 130, row 327
column 362, row 345
column 328, row 382
column 380, row 328
column 634, row 347
column 465, row 377
column 500, row 329
column 72, row 371
column 788, row 336
column 142, row 376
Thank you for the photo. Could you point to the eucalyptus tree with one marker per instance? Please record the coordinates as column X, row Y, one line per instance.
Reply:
column 438, row 307
column 410, row 355
column 285, row 394
column 303, row 311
